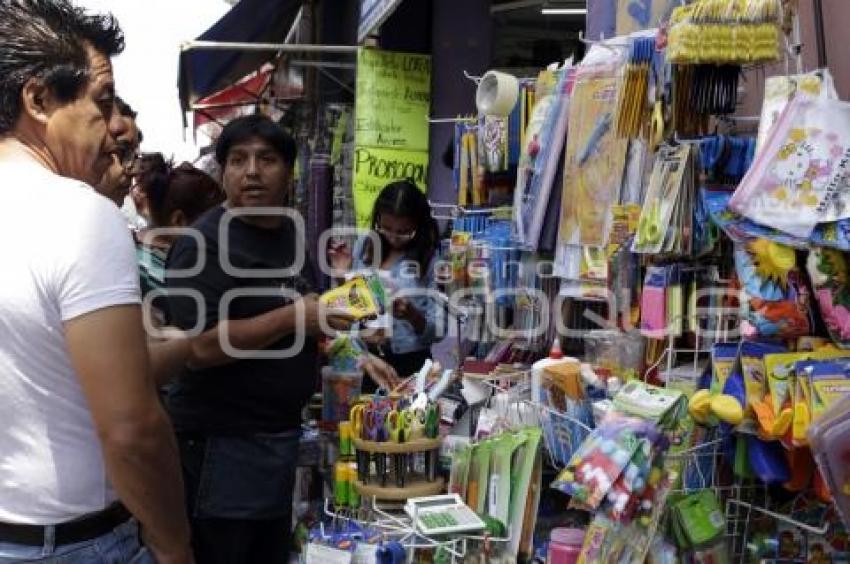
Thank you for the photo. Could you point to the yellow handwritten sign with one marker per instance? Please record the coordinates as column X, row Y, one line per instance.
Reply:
column 393, row 100
column 375, row 167
column 391, row 128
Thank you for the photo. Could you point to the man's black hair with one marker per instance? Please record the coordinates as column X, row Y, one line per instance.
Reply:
column 127, row 110
column 245, row 128
column 47, row 40
column 124, row 108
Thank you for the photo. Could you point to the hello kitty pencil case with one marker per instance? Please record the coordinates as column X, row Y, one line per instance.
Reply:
column 799, row 178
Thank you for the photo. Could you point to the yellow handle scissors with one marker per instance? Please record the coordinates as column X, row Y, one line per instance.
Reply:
column 356, row 416
column 399, row 425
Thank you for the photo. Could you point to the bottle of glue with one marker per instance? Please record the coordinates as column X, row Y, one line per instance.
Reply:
column 556, row 356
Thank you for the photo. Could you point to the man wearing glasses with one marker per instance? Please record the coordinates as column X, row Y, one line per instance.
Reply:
column 117, row 180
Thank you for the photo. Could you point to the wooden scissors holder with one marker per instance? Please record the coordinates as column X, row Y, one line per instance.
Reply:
column 398, row 482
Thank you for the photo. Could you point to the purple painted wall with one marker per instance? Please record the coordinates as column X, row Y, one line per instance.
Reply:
column 461, row 40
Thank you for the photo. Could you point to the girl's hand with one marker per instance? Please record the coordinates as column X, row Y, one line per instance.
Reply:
column 380, row 372
column 339, row 255
column 403, row 309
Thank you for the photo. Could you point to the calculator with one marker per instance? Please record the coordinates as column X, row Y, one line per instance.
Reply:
column 442, row 514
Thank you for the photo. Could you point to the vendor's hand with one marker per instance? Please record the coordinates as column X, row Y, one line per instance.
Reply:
column 380, row 372
column 374, row 337
column 339, row 255
column 315, row 311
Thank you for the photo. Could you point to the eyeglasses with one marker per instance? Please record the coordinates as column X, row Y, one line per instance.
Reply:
column 127, row 155
column 393, row 235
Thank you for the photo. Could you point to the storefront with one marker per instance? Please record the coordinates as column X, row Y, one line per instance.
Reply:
column 640, row 279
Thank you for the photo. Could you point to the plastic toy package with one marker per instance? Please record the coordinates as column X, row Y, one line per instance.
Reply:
column 829, row 438
column 828, row 272
column 777, row 297
column 612, row 465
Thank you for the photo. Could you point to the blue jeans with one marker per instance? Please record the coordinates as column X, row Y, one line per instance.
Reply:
column 239, row 496
column 120, row 546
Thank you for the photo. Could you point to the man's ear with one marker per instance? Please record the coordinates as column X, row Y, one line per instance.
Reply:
column 178, row 219
column 37, row 100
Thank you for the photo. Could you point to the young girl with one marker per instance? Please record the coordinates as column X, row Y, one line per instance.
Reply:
column 401, row 219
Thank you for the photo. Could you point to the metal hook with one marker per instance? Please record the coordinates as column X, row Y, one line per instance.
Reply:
column 475, row 79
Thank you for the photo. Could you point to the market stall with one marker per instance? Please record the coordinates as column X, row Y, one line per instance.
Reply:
column 648, row 321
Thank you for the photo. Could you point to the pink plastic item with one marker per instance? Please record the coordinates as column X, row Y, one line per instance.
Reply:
column 565, row 546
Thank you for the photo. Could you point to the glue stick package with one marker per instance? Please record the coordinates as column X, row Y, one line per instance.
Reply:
column 355, row 297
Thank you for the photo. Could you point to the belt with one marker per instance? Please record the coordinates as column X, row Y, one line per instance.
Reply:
column 86, row 528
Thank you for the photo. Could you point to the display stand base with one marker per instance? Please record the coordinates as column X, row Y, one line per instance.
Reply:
column 416, row 486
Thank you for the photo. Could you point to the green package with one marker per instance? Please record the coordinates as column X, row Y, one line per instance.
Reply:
column 459, row 473
column 481, row 459
column 698, row 520
column 501, row 475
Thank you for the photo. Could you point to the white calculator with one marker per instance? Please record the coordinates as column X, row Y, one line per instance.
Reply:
column 442, row 514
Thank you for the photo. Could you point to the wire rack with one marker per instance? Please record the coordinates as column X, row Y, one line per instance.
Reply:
column 566, row 423
column 747, row 503
column 397, row 526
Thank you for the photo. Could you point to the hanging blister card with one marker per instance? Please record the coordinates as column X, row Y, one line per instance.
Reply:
column 661, row 199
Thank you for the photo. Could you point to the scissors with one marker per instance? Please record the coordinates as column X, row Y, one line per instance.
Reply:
column 374, row 423
column 356, row 416
column 398, row 425
column 425, row 422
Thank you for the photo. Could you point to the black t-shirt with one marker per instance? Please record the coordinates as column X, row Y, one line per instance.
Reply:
column 248, row 395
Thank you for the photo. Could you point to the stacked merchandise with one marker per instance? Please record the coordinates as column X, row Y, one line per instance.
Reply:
column 718, row 262
column 701, row 282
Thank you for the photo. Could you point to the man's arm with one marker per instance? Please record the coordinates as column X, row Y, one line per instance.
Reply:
column 168, row 357
column 258, row 332
column 108, row 351
column 255, row 333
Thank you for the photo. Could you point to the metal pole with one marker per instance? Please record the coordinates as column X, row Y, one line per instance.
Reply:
column 281, row 47
column 820, row 34
column 294, row 28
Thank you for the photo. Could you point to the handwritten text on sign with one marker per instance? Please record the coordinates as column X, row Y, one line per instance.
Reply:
column 375, row 167
column 391, row 129
column 393, row 100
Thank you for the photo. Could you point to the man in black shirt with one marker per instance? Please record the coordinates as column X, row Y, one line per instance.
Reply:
column 238, row 417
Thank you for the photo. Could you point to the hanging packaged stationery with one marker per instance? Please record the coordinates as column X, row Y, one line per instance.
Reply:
column 493, row 143
column 633, row 96
column 725, row 31
column 698, row 525
column 777, row 298
column 595, row 157
column 653, row 303
column 662, row 199
column 685, row 121
column 829, row 438
column 714, row 89
column 779, row 90
column 799, row 178
column 829, row 275
column 539, row 159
